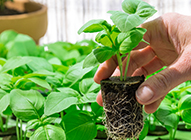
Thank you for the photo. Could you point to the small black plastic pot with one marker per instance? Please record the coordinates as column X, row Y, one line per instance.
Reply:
column 159, row 131
column 124, row 118
column 10, row 131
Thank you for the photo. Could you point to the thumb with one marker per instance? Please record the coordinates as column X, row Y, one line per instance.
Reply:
column 152, row 91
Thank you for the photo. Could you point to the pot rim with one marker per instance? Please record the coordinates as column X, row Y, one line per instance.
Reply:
column 130, row 80
column 41, row 11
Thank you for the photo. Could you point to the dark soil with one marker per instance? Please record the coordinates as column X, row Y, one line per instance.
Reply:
column 124, row 117
column 6, row 12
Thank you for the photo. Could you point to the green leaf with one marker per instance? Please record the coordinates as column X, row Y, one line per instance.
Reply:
column 130, row 40
column 15, row 62
column 90, row 61
column 5, row 81
column 26, row 105
column 4, row 102
column 162, row 112
column 7, row 36
column 58, row 50
column 94, row 26
column 185, row 115
column 55, row 60
column 40, row 73
column 165, row 115
column 88, row 85
column 2, row 93
column 185, row 103
column 124, row 21
column 138, row 7
column 48, row 132
column 75, row 73
column 145, row 130
column 73, row 54
column 145, row 10
column 85, row 46
column 8, row 111
column 99, row 55
column 137, row 12
column 38, row 63
column 188, row 126
column 49, row 120
column 103, row 53
column 59, row 101
column 3, row 51
column 97, row 109
column 23, row 45
column 40, row 82
column 172, row 120
column 130, row 6
column 88, row 98
column 103, row 38
column 33, row 124
column 184, row 106
column 79, row 126
column 2, row 61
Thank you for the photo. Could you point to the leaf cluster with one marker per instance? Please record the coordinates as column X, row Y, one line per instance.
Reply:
column 121, row 37
column 47, row 87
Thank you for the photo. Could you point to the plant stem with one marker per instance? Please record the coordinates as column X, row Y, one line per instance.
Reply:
column 17, row 128
column 174, row 133
column 62, row 114
column 120, row 66
column 1, row 124
column 118, row 56
column 6, row 123
column 127, row 66
column 25, row 134
column 21, row 130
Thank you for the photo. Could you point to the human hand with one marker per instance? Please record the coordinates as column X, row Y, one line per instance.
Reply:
column 170, row 45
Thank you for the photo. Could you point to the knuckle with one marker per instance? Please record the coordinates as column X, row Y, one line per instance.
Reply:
column 163, row 81
column 144, row 71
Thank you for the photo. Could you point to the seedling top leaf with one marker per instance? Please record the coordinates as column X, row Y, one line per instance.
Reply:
column 120, row 38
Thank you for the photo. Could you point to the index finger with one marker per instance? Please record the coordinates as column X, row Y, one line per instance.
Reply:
column 105, row 69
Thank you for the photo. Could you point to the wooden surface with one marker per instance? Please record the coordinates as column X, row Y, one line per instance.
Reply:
column 65, row 17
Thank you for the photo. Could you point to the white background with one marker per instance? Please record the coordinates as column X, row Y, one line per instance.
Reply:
column 65, row 17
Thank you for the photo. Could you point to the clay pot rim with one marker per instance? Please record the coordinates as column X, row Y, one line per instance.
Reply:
column 41, row 11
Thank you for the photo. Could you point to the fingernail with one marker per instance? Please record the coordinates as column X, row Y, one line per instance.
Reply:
column 144, row 94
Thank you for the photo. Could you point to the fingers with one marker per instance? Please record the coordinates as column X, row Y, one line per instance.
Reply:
column 156, row 87
column 151, row 108
column 99, row 99
column 149, row 68
column 105, row 70
column 139, row 58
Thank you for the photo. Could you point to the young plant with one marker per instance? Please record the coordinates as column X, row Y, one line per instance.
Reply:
column 122, row 37
column 124, row 117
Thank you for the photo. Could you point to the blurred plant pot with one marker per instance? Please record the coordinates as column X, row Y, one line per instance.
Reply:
column 8, row 132
column 33, row 23
column 159, row 131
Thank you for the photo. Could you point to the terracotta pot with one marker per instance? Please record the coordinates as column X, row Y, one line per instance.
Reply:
column 33, row 23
